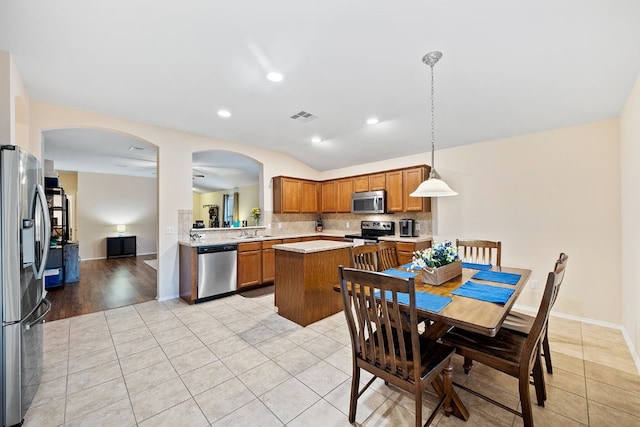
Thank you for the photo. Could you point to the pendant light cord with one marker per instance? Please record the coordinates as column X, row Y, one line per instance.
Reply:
column 433, row 126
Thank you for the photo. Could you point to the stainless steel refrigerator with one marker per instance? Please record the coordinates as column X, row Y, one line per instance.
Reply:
column 24, row 245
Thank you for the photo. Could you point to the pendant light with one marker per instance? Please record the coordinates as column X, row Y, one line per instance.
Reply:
column 432, row 187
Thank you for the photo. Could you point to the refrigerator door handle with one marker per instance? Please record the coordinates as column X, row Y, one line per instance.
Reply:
column 46, row 225
column 36, row 321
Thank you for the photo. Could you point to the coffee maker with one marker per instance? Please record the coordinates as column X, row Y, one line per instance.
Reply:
column 407, row 228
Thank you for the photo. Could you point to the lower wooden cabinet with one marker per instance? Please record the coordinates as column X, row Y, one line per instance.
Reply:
column 249, row 264
column 269, row 260
column 405, row 250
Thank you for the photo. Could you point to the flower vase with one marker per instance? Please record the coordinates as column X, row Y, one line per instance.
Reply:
column 437, row 276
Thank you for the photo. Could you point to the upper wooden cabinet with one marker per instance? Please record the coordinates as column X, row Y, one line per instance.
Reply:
column 328, row 197
column 344, row 189
column 377, row 182
column 361, row 184
column 400, row 184
column 309, row 196
column 292, row 195
column 393, row 186
column 411, row 179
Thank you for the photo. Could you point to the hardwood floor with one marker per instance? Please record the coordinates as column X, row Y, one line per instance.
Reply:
column 104, row 284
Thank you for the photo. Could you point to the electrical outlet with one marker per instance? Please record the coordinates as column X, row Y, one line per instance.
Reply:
column 534, row 284
column 279, row 225
column 346, row 225
column 417, row 226
column 269, row 226
column 170, row 229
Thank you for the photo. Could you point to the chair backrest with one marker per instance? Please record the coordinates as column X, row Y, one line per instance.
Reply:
column 371, row 306
column 554, row 280
column 480, row 251
column 387, row 256
column 364, row 257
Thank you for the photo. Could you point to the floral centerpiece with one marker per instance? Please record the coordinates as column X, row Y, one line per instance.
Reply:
column 255, row 213
column 438, row 263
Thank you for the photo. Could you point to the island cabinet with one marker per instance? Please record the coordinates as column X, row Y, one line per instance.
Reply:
column 306, row 273
column 249, row 264
column 405, row 250
column 269, row 260
column 292, row 195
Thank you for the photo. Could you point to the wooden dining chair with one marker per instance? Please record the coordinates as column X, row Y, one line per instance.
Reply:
column 405, row 359
column 387, row 256
column 512, row 353
column 479, row 251
column 364, row 257
column 522, row 323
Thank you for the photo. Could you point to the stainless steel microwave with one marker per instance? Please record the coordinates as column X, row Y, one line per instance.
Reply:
column 371, row 202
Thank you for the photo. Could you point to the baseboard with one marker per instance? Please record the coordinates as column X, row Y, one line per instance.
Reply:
column 634, row 354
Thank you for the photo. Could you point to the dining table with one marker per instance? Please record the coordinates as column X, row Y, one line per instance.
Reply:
column 465, row 312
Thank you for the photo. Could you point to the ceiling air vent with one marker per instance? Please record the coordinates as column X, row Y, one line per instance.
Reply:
column 303, row 117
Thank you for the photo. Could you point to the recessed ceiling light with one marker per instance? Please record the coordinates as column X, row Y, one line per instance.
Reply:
column 224, row 113
column 275, row 77
column 372, row 120
column 135, row 148
column 316, row 139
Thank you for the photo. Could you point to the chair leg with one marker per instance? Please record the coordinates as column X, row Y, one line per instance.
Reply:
column 538, row 381
column 525, row 399
column 547, row 351
column 418, row 398
column 353, row 403
column 468, row 364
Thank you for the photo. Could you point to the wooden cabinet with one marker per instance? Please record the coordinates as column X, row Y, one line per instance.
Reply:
column 286, row 195
column 332, row 238
column 269, row 260
column 121, row 246
column 377, row 182
column 361, row 184
column 344, row 189
column 411, row 179
column 393, row 184
column 400, row 184
column 249, row 264
column 292, row 195
column 328, row 197
column 405, row 250
column 309, row 196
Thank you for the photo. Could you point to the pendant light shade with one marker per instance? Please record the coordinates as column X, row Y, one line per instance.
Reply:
column 432, row 187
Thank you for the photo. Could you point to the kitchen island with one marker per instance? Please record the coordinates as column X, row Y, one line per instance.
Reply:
column 305, row 275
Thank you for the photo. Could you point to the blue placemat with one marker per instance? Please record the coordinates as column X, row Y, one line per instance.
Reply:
column 484, row 292
column 400, row 273
column 476, row 266
column 408, row 266
column 497, row 276
column 424, row 300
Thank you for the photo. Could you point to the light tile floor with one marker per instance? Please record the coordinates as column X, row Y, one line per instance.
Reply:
column 234, row 362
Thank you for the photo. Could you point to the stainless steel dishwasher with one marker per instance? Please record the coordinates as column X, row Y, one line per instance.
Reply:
column 217, row 274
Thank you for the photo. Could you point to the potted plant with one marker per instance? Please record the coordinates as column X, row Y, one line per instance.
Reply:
column 255, row 213
column 439, row 263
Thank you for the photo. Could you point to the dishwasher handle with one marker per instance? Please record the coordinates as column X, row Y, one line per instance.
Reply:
column 216, row 248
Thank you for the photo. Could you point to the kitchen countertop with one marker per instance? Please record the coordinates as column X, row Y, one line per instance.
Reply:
column 312, row 246
column 236, row 240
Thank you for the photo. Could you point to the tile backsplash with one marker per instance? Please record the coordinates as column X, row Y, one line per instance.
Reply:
column 283, row 224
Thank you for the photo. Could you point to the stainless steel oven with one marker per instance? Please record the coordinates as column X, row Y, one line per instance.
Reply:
column 370, row 231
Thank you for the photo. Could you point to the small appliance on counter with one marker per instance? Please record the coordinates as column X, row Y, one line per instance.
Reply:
column 319, row 225
column 407, row 228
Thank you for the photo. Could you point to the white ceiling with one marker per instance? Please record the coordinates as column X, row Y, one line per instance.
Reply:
column 509, row 68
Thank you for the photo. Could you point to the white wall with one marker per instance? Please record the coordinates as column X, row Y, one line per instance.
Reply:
column 175, row 150
column 539, row 194
column 630, row 177
column 104, row 201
